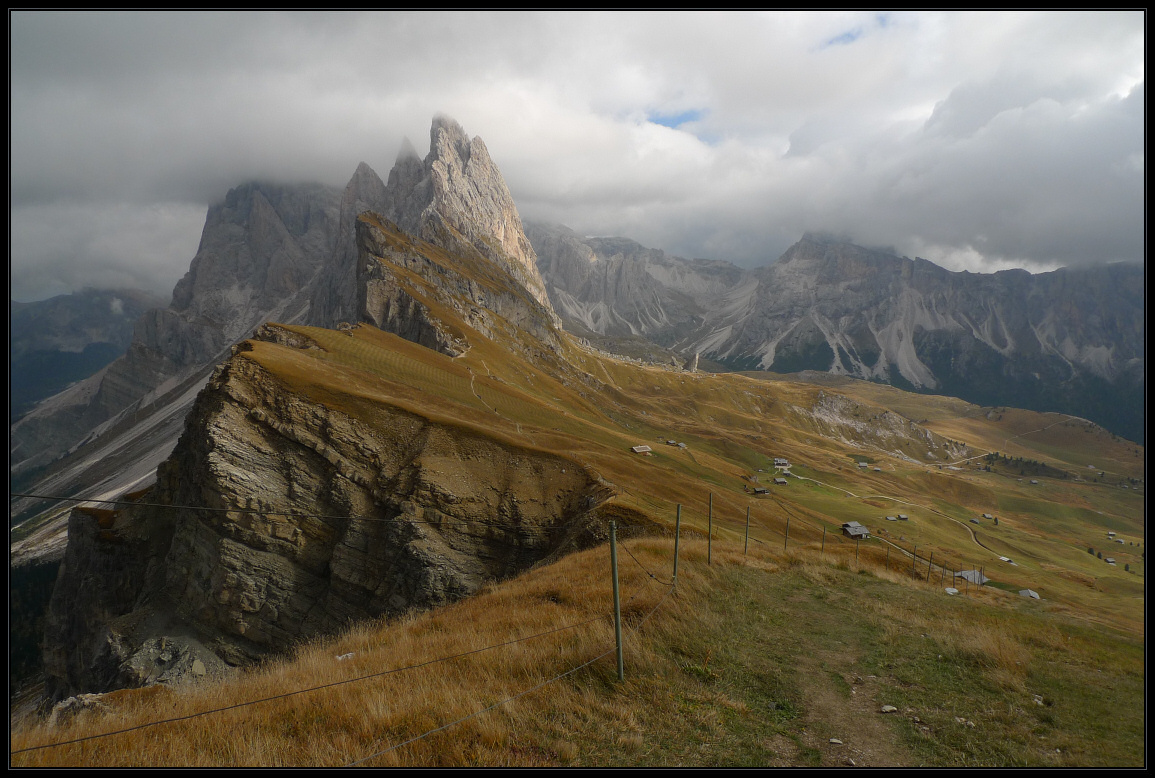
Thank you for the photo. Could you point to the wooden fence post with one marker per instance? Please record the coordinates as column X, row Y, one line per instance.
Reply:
column 929, row 565
column 617, row 599
column 677, row 535
column 747, row 546
column 710, row 532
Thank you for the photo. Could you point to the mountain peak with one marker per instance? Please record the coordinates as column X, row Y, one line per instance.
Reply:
column 458, row 193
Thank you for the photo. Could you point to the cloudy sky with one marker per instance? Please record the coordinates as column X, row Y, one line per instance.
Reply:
column 977, row 140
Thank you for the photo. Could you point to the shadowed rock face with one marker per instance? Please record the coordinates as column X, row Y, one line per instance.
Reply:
column 321, row 519
column 334, row 297
column 260, row 250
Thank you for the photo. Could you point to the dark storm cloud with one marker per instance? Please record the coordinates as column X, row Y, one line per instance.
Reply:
column 976, row 140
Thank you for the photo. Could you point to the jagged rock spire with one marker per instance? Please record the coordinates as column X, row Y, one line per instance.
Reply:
column 458, row 186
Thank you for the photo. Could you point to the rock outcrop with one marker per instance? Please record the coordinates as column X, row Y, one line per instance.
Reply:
column 418, row 290
column 311, row 518
column 335, row 296
column 260, row 250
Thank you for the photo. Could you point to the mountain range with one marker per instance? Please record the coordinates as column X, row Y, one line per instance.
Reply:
column 1071, row 340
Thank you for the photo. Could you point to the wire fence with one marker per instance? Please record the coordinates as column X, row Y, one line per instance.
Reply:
column 507, row 700
column 319, row 687
column 370, row 676
column 877, row 554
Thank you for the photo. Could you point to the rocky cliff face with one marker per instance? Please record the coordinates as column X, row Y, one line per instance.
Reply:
column 869, row 307
column 419, row 291
column 312, row 518
column 260, row 250
column 1069, row 341
column 334, row 296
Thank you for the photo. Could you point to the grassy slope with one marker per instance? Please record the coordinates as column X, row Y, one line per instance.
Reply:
column 758, row 659
column 734, row 425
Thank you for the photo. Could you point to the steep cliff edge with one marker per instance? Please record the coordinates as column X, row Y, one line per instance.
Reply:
column 456, row 198
column 310, row 516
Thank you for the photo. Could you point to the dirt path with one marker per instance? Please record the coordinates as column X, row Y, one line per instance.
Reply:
column 867, row 739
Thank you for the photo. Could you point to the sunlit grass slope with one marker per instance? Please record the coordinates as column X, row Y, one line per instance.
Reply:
column 759, row 658
column 593, row 408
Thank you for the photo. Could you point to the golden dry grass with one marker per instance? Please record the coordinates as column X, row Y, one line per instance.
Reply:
column 592, row 408
column 748, row 628
column 336, row 726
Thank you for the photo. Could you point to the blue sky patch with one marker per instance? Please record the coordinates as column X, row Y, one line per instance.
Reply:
column 674, row 120
column 845, row 39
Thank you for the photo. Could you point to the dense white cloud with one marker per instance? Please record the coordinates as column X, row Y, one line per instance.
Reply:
column 979, row 140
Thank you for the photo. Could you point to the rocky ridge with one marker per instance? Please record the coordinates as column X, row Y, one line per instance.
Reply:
column 313, row 518
column 1070, row 340
column 456, row 198
column 310, row 517
column 616, row 287
column 270, row 252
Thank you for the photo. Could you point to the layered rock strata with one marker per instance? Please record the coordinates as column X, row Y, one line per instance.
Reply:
column 311, row 519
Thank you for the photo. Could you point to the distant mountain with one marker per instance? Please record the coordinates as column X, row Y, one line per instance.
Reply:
column 53, row 343
column 617, row 287
column 1070, row 341
column 260, row 249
